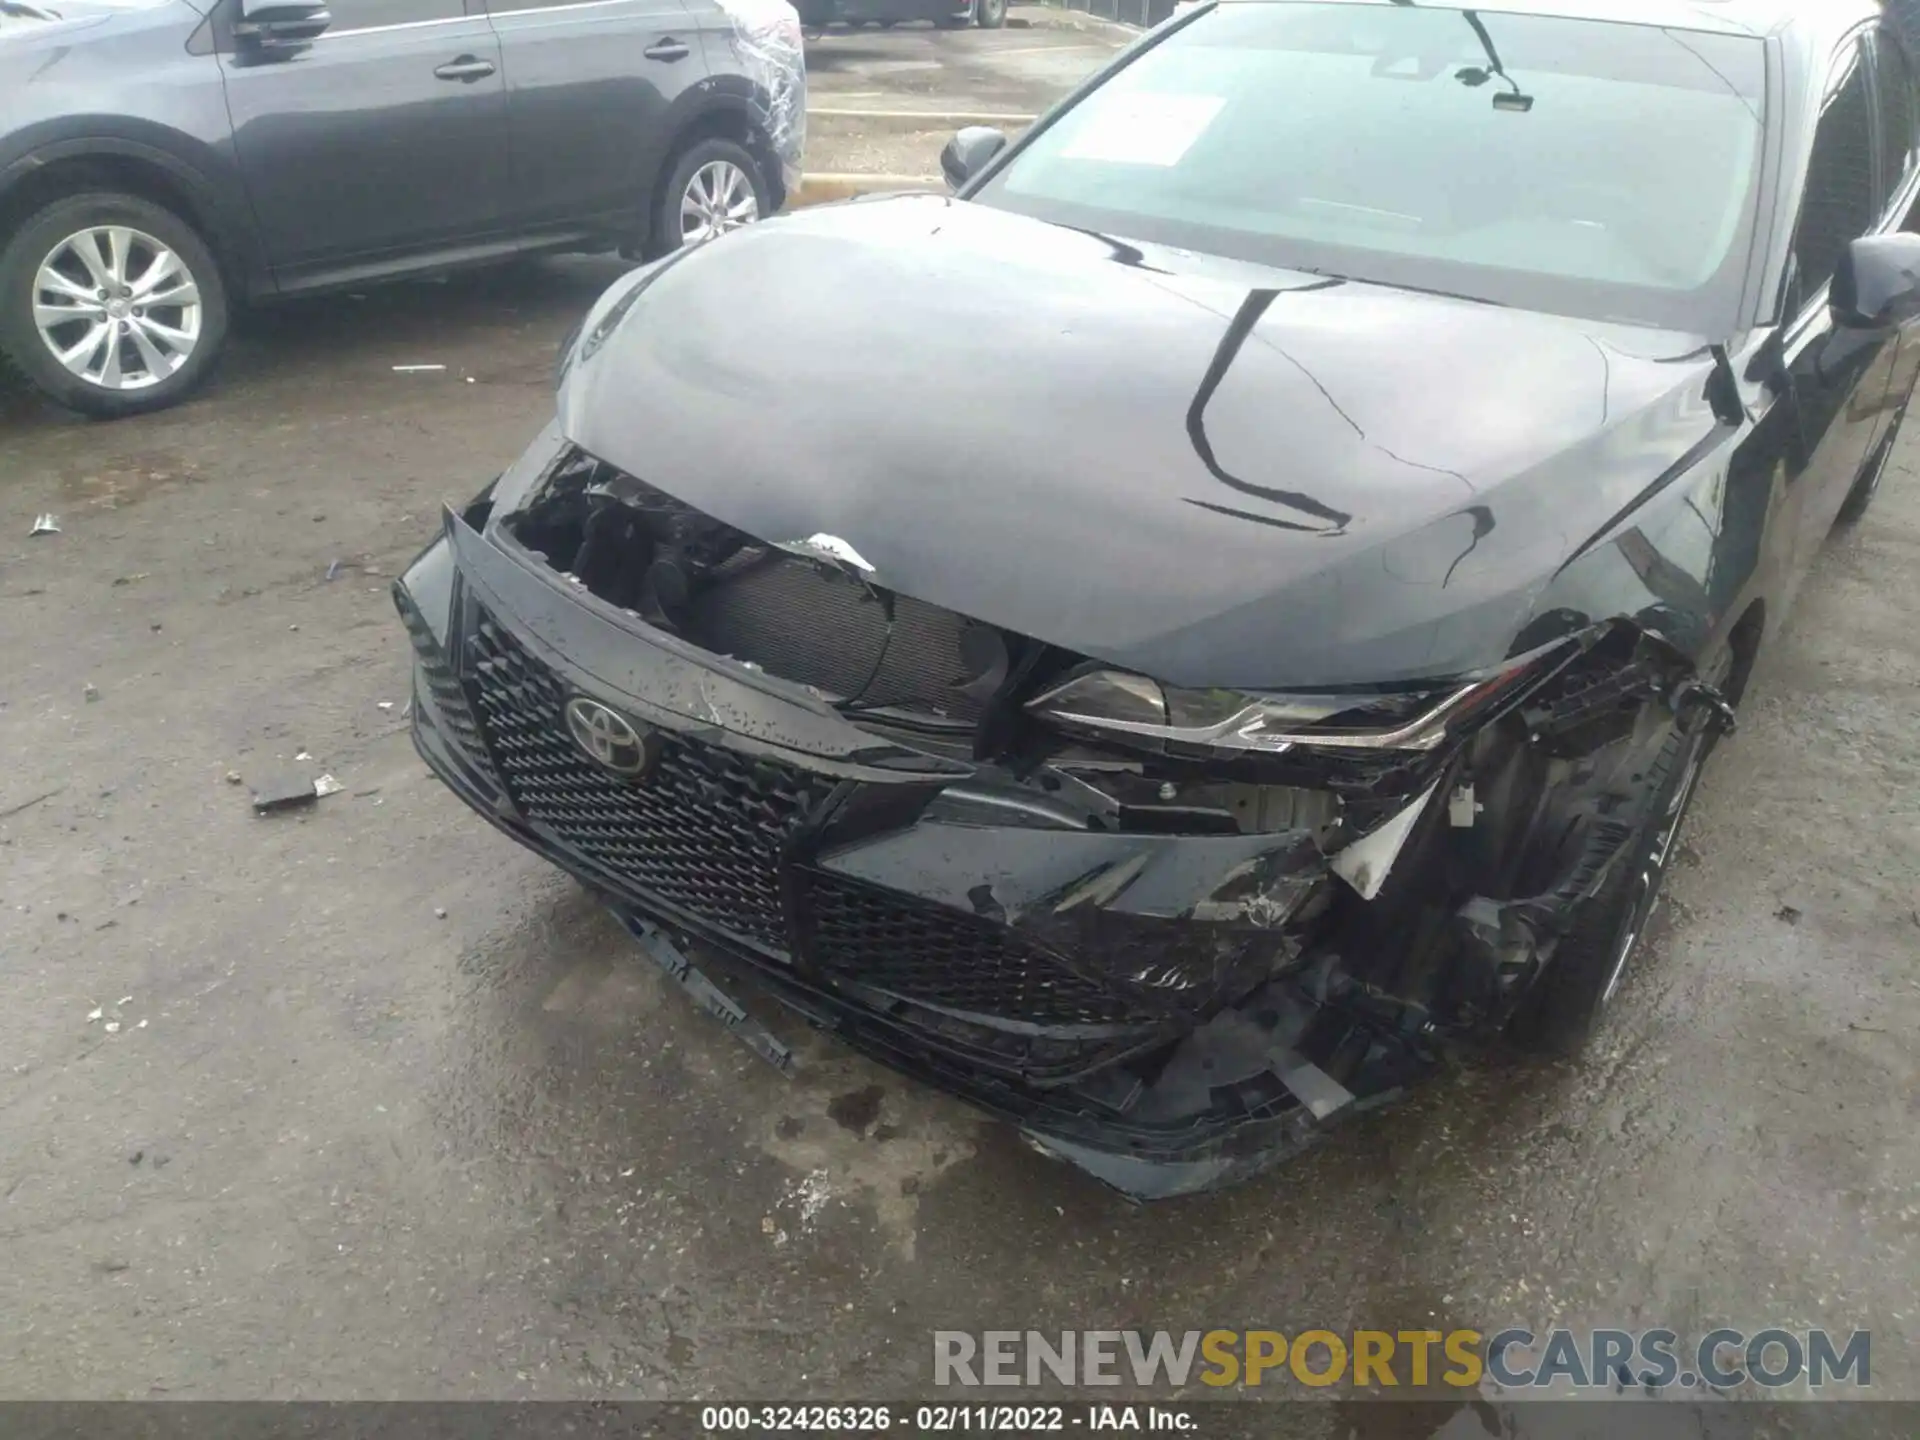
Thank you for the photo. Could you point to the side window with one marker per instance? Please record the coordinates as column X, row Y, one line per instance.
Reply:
column 1840, row 201
column 373, row 14
column 1893, row 85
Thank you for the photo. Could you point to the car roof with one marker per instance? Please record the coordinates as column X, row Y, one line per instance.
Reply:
column 1819, row 19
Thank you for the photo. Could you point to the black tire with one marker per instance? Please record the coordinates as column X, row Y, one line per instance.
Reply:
column 28, row 351
column 1868, row 484
column 990, row 14
column 667, row 232
column 1559, row 1015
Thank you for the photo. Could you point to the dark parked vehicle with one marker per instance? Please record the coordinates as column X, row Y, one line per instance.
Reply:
column 946, row 14
column 1425, row 417
column 164, row 160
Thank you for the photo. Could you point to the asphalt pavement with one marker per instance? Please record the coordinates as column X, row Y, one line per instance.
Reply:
column 363, row 1100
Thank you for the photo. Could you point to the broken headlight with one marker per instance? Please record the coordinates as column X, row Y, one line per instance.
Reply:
column 1119, row 703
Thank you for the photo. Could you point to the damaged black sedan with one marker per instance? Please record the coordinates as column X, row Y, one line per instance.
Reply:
column 1234, row 601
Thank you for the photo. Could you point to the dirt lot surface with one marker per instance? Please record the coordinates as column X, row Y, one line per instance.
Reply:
column 364, row 1100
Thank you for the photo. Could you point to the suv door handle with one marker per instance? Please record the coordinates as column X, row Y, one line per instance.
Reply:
column 465, row 67
column 667, row 49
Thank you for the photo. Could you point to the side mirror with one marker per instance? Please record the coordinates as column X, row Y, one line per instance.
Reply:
column 270, row 25
column 968, row 152
column 1878, row 283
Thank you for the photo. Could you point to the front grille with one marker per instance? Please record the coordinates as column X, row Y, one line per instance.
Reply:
column 704, row 831
column 443, row 688
column 934, row 956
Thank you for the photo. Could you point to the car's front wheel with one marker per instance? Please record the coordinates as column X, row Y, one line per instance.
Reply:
column 111, row 304
column 716, row 187
column 1562, row 1010
column 990, row 14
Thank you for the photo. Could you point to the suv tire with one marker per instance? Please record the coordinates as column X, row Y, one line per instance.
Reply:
column 101, row 254
column 714, row 178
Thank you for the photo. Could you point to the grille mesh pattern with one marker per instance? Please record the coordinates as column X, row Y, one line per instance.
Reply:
column 934, row 956
column 444, row 690
column 704, row 831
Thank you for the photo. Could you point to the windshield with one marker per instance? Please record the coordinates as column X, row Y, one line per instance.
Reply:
column 1582, row 167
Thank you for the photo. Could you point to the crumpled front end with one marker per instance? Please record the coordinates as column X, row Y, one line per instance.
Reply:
column 1172, row 953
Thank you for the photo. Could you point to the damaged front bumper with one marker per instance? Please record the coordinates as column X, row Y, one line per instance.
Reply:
column 1170, row 1011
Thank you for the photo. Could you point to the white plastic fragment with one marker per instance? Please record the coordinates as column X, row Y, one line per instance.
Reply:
column 303, row 755
column 385, row 704
column 326, row 785
column 113, row 1027
column 1364, row 864
column 1462, row 807
column 47, row 524
column 94, row 1014
column 416, row 369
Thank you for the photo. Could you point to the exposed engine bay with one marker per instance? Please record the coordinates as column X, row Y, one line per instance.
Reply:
column 1171, row 961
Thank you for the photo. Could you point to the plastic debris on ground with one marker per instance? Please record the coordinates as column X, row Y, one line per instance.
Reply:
column 283, row 791
column 327, row 785
column 45, row 525
column 416, row 369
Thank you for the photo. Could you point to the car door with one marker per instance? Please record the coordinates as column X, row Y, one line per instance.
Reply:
column 1897, row 101
column 590, row 91
column 384, row 138
column 1836, row 378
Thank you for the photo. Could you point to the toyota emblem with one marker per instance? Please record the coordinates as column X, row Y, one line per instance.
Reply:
column 610, row 740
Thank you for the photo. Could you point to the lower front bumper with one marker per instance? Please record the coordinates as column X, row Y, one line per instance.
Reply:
column 1219, row 1112
column 1155, row 1099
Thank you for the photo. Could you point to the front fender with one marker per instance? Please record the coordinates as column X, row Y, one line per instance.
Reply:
column 200, row 171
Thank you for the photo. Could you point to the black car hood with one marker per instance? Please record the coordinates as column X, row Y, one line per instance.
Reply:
column 1213, row 473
